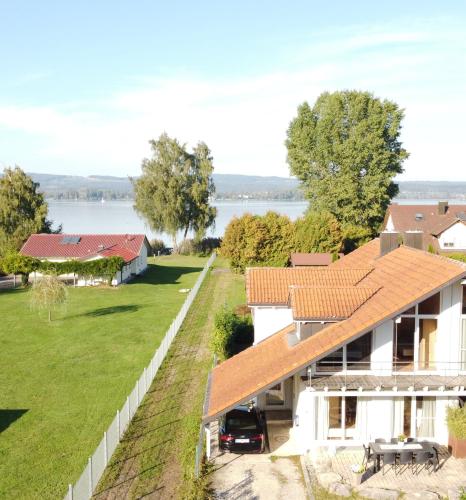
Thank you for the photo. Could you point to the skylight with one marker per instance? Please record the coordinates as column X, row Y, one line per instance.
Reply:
column 70, row 240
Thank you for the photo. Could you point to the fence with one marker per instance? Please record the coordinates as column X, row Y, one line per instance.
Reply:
column 84, row 486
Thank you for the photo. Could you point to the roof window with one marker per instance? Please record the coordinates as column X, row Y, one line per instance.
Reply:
column 70, row 240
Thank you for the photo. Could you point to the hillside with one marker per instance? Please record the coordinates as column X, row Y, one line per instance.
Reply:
column 229, row 186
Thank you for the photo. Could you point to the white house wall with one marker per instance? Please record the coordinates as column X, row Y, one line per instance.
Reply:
column 269, row 320
column 455, row 234
column 382, row 348
column 448, row 328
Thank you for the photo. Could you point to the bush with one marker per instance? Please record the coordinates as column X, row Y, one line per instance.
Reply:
column 231, row 333
column 207, row 245
column 203, row 247
column 158, row 247
column 456, row 422
column 318, row 232
column 186, row 247
column 457, row 256
column 258, row 240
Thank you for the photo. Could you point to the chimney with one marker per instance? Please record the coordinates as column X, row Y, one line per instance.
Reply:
column 389, row 240
column 442, row 207
column 414, row 239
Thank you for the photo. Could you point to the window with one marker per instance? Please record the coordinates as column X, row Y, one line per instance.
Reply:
column 430, row 305
column 448, row 244
column 464, row 299
column 425, row 416
column 275, row 396
column 407, row 416
column 358, row 353
column 331, row 363
column 427, row 343
column 403, row 344
column 342, row 417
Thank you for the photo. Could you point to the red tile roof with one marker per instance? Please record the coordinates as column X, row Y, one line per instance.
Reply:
column 316, row 304
column 311, row 259
column 405, row 276
column 48, row 246
column 270, row 285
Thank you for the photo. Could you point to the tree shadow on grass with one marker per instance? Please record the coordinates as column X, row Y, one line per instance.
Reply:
column 104, row 311
column 163, row 275
column 7, row 417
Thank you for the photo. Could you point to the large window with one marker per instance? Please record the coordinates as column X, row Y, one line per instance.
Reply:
column 427, row 343
column 425, row 416
column 430, row 305
column 342, row 417
column 358, row 353
column 331, row 363
column 403, row 344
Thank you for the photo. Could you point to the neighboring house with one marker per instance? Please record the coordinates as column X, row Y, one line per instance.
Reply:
column 442, row 226
column 132, row 248
column 312, row 259
column 372, row 346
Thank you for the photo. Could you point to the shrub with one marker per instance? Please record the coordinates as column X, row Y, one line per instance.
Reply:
column 186, row 247
column 456, row 422
column 318, row 232
column 457, row 256
column 207, row 245
column 231, row 333
column 258, row 240
column 158, row 247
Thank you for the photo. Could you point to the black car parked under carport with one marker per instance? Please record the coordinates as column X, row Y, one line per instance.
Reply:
column 241, row 430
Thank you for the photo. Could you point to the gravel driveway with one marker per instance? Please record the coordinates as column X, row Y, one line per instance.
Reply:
column 260, row 476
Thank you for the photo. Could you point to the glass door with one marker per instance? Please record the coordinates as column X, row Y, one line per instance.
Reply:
column 427, row 343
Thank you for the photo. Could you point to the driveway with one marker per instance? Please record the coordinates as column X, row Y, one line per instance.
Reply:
column 256, row 476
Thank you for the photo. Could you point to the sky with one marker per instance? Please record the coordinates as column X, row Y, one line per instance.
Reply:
column 85, row 85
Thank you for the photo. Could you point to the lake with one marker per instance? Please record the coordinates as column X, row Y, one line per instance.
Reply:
column 120, row 217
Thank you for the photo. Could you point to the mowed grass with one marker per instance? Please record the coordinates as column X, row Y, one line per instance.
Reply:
column 62, row 382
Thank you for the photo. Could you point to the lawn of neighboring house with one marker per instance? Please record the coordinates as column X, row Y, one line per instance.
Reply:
column 62, row 382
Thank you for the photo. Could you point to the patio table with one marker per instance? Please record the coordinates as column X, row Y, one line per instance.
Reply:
column 379, row 449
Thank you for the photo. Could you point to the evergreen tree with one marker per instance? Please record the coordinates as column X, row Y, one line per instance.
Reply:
column 346, row 151
column 23, row 210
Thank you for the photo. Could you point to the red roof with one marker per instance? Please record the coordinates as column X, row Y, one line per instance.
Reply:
column 312, row 259
column 84, row 246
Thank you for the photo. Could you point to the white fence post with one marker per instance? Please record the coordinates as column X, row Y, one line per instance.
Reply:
column 91, row 486
column 70, row 492
column 118, row 424
column 105, row 448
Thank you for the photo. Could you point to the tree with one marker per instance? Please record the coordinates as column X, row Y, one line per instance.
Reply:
column 346, row 151
column 15, row 263
column 173, row 191
column 23, row 210
column 48, row 293
column 258, row 240
column 318, row 232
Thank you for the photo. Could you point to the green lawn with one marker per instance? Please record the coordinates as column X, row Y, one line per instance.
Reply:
column 62, row 382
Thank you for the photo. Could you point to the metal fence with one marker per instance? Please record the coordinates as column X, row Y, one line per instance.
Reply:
column 84, row 486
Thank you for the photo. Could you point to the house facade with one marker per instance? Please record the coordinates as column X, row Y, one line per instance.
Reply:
column 442, row 227
column 132, row 248
column 372, row 346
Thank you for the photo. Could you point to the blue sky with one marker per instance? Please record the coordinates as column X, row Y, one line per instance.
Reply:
column 85, row 85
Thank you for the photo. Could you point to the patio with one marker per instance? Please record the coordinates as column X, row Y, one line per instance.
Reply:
column 450, row 474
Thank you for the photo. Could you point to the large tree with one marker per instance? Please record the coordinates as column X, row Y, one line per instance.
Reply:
column 346, row 150
column 23, row 210
column 173, row 191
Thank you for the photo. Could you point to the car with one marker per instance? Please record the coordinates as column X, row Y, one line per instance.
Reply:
column 241, row 430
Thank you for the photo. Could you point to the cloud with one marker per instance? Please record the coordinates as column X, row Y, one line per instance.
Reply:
column 244, row 119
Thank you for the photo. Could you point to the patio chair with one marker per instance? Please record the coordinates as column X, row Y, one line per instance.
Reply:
column 421, row 459
column 406, row 458
column 411, row 440
column 394, row 441
column 367, row 454
column 388, row 459
column 434, row 460
column 380, row 440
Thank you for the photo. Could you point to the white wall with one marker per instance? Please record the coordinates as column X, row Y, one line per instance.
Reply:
column 455, row 234
column 382, row 348
column 269, row 320
column 389, row 226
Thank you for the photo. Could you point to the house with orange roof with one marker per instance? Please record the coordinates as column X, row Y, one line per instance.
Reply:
column 132, row 248
column 440, row 227
column 371, row 346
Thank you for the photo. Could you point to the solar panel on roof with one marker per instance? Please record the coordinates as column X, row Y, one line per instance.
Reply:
column 70, row 240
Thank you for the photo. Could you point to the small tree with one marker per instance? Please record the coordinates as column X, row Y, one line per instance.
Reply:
column 48, row 293
column 318, row 232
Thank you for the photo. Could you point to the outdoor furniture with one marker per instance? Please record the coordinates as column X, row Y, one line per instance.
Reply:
column 378, row 449
column 394, row 440
column 434, row 460
column 411, row 440
column 380, row 440
column 406, row 458
column 421, row 460
column 367, row 454
column 388, row 459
